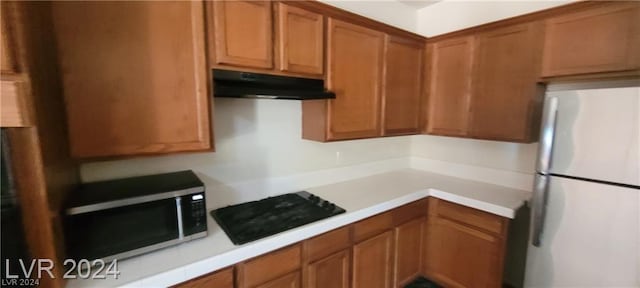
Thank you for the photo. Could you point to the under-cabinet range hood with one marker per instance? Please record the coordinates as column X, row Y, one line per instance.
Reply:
column 236, row 84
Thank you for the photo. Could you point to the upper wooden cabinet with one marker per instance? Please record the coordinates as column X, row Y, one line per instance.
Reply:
column 354, row 73
column 134, row 76
column 243, row 33
column 604, row 38
column 506, row 100
column 450, row 87
column 300, row 36
column 402, row 86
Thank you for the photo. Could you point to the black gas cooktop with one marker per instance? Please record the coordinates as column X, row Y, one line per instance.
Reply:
column 258, row 219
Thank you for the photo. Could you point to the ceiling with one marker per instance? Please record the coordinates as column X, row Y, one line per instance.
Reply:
column 417, row 4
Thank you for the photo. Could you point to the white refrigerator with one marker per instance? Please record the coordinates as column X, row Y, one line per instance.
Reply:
column 585, row 226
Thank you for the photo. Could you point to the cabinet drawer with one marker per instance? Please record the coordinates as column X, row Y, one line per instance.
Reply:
column 291, row 280
column 327, row 243
column 219, row 279
column 372, row 226
column 473, row 217
column 273, row 265
column 409, row 212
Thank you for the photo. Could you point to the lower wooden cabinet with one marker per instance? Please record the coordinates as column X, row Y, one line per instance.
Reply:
column 219, row 279
column 269, row 269
column 291, row 280
column 332, row 271
column 407, row 244
column 372, row 265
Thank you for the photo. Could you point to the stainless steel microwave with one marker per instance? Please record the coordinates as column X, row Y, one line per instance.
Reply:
column 121, row 218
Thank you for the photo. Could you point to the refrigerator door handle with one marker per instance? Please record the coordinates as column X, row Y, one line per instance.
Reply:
column 539, row 208
column 547, row 134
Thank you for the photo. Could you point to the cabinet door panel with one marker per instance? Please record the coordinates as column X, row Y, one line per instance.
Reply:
column 355, row 72
column 459, row 256
column 450, row 87
column 219, row 279
column 332, row 271
column 408, row 251
column 601, row 39
column 506, row 99
column 291, row 280
column 372, row 263
column 300, row 40
column 134, row 76
column 243, row 33
column 402, row 86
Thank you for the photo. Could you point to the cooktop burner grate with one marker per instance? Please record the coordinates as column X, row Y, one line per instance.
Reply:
column 254, row 220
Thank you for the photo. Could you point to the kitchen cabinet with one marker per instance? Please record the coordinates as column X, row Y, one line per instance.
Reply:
column 134, row 77
column 604, row 38
column 372, row 262
column 276, row 269
column 506, row 100
column 331, row 271
column 408, row 243
column 219, row 279
column 402, row 86
column 243, row 33
column 450, row 86
column 291, row 280
column 464, row 247
column 354, row 72
column 14, row 111
column 300, row 36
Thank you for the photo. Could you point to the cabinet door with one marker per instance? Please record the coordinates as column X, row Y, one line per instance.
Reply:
column 219, row 279
column 243, row 33
column 601, row 39
column 300, row 40
column 402, row 86
column 450, row 87
column 408, row 251
column 505, row 101
column 354, row 73
column 134, row 76
column 372, row 262
column 331, row 271
column 459, row 256
column 291, row 280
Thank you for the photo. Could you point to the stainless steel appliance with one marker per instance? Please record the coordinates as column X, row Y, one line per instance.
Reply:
column 586, row 203
column 121, row 218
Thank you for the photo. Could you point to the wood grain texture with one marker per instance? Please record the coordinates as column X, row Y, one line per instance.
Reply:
column 409, row 212
column 332, row 271
column 408, row 249
column 371, row 226
column 14, row 111
column 373, row 262
column 243, row 33
column 291, row 280
column 402, row 86
column 218, row 279
column 601, row 39
column 450, row 86
column 506, row 99
column 327, row 243
column 481, row 220
column 300, row 36
column 268, row 267
column 355, row 59
column 134, row 76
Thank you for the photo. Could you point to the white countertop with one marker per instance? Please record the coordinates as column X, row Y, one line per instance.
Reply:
column 361, row 198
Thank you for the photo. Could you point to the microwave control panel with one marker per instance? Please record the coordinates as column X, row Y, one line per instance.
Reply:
column 194, row 213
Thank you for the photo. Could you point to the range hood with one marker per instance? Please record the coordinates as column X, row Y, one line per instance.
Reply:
column 235, row 84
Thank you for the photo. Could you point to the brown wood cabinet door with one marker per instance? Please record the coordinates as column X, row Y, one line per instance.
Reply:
column 450, row 87
column 300, row 40
column 459, row 256
column 332, row 271
column 291, row 280
column 408, row 251
column 218, row 279
column 354, row 73
column 402, row 86
column 601, row 39
column 372, row 262
column 134, row 75
column 506, row 100
column 243, row 33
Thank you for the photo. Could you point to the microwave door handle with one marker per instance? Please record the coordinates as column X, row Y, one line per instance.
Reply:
column 547, row 135
column 179, row 213
column 539, row 208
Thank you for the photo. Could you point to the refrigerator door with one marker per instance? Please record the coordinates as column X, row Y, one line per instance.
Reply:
column 591, row 237
column 597, row 134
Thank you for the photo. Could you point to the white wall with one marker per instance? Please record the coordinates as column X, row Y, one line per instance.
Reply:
column 451, row 15
column 388, row 11
column 256, row 139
